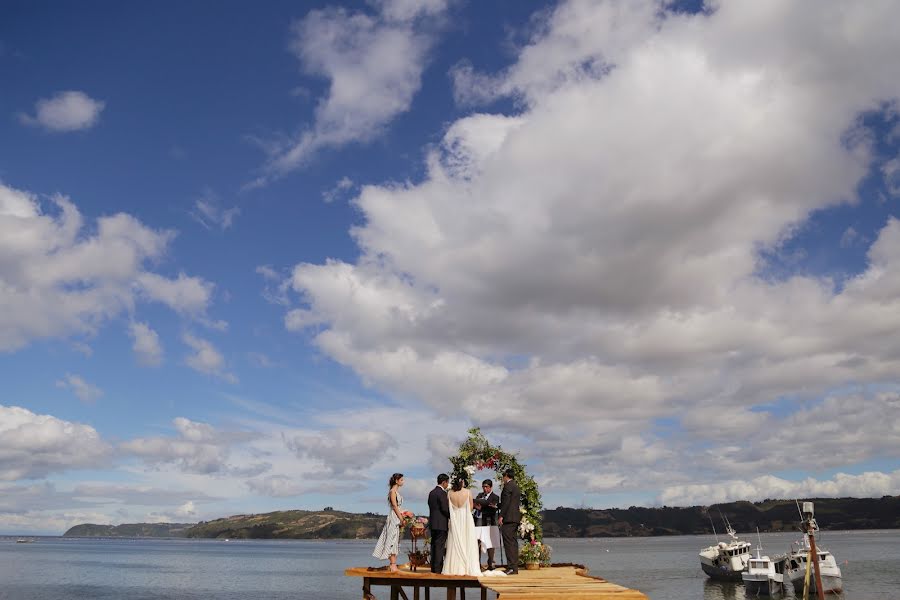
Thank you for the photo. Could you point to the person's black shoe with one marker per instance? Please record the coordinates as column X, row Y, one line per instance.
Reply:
column 512, row 571
column 491, row 566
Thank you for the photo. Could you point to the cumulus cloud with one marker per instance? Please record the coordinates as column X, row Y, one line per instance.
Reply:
column 197, row 448
column 206, row 358
column 282, row 486
column 342, row 451
column 864, row 485
column 85, row 391
column 145, row 343
column 373, row 63
column 59, row 277
column 33, row 446
column 136, row 494
column 65, row 111
column 590, row 268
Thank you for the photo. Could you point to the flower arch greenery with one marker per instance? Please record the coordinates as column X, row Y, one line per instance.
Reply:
column 476, row 454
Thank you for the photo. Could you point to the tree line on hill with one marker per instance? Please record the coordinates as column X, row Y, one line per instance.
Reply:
column 635, row 521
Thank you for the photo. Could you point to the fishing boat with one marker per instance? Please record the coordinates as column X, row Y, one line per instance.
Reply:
column 761, row 577
column 726, row 560
column 801, row 552
column 795, row 569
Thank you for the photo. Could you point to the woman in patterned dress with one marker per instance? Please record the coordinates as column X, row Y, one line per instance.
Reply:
column 388, row 545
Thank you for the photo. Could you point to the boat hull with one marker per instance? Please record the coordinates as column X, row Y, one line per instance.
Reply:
column 831, row 584
column 720, row 574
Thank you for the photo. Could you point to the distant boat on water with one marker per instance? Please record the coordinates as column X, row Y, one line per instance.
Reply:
column 24, row 541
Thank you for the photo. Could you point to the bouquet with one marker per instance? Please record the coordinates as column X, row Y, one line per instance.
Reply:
column 407, row 519
column 535, row 552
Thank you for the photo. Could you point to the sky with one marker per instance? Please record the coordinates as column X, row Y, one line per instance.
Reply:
column 258, row 257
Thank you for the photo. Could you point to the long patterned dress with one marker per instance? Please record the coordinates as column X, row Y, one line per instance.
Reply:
column 389, row 541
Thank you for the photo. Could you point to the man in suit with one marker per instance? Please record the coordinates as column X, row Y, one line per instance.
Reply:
column 510, row 516
column 439, row 521
column 485, row 516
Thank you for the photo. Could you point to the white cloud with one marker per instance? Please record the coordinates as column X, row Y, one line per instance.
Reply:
column 146, row 344
column 374, row 65
column 842, row 485
column 198, row 448
column 344, row 185
column 282, row 486
column 209, row 212
column 66, row 111
column 33, row 446
column 342, row 451
column 589, row 269
column 59, row 277
column 206, row 358
column 85, row 391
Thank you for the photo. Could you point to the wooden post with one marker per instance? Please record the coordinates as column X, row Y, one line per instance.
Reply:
column 820, row 591
column 367, row 589
column 427, row 593
column 395, row 593
column 416, row 593
column 484, row 593
column 451, row 593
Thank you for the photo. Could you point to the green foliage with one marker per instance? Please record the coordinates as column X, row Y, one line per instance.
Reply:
column 477, row 452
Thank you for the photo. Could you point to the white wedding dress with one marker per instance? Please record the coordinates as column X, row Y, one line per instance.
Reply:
column 462, row 542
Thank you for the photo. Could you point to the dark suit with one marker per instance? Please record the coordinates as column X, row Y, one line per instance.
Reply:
column 439, row 523
column 485, row 514
column 510, row 499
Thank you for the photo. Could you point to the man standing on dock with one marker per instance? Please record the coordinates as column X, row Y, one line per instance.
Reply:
column 509, row 521
column 439, row 521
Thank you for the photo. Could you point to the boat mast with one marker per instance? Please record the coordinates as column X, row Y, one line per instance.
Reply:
column 810, row 527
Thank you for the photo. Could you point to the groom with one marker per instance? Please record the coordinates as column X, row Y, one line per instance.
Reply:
column 439, row 521
column 509, row 521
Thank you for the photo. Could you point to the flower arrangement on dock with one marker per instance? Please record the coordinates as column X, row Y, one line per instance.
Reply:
column 535, row 554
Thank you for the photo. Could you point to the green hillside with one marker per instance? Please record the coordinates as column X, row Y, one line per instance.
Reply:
column 130, row 530
column 292, row 524
column 769, row 515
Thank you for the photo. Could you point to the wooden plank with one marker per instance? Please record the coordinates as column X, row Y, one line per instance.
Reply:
column 550, row 583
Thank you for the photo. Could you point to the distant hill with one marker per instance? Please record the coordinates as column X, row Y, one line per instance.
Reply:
column 130, row 530
column 769, row 515
column 292, row 524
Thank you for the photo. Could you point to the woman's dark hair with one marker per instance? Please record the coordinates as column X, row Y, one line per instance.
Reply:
column 392, row 482
column 459, row 483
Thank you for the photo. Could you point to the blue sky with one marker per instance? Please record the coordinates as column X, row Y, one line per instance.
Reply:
column 261, row 257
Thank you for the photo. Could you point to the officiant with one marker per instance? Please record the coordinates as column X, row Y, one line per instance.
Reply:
column 485, row 515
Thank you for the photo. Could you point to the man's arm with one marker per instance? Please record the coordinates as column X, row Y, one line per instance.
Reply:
column 444, row 500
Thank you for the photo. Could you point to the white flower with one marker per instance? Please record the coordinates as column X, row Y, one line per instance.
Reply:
column 470, row 470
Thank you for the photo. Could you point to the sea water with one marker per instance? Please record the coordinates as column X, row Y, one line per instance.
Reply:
column 665, row 568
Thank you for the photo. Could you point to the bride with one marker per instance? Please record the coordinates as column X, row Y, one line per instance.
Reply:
column 462, row 543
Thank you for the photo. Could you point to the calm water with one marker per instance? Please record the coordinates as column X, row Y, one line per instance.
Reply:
column 664, row 568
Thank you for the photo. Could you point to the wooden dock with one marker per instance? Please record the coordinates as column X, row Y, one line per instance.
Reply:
column 557, row 582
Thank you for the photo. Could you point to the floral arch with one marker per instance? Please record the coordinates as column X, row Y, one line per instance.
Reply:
column 477, row 454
